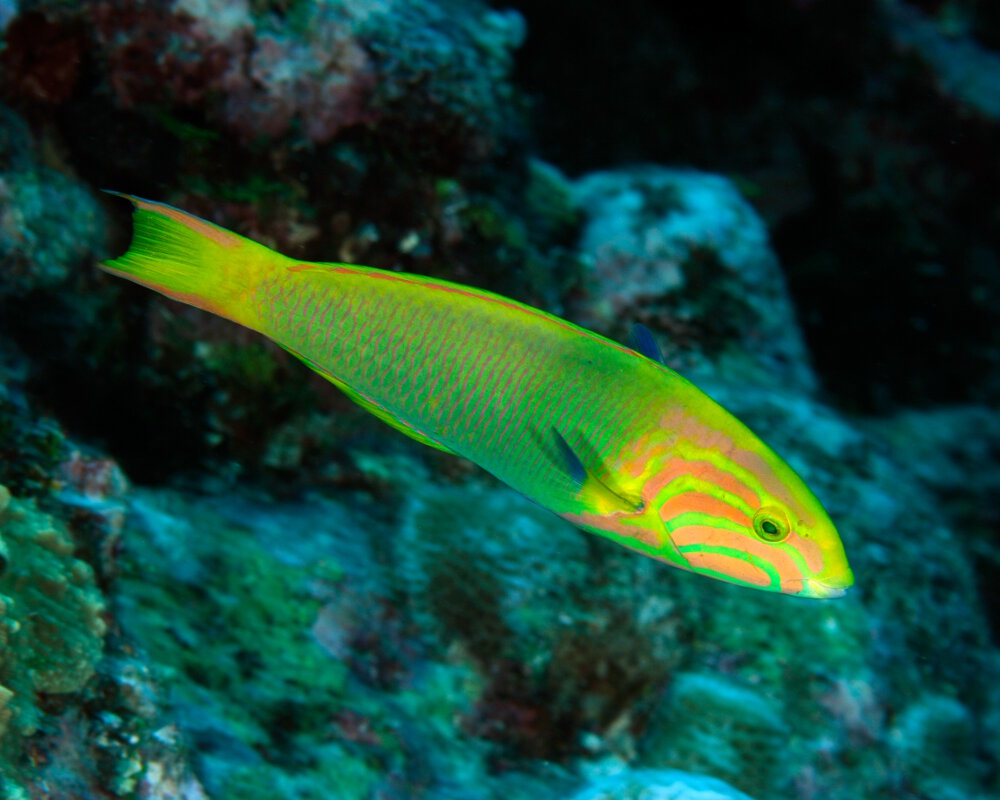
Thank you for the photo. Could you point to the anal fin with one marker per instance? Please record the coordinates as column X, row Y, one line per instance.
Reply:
column 371, row 406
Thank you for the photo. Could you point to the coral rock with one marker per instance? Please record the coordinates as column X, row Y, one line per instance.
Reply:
column 665, row 784
column 684, row 253
column 49, row 223
column 934, row 740
column 51, row 619
column 711, row 725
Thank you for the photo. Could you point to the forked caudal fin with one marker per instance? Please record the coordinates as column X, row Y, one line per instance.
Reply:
column 188, row 259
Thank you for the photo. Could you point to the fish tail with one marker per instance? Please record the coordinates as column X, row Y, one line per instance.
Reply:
column 193, row 261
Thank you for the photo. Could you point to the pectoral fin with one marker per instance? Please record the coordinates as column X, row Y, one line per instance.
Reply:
column 596, row 495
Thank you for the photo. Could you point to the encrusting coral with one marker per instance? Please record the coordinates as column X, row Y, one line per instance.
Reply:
column 51, row 624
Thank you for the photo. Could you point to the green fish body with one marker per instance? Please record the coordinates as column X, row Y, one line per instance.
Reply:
column 602, row 435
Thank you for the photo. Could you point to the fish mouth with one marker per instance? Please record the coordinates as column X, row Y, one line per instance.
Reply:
column 821, row 588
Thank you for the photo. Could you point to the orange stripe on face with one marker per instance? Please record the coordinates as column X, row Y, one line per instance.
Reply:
column 705, row 437
column 771, row 482
column 709, row 536
column 621, row 524
column 678, row 467
column 702, row 503
column 810, row 550
column 736, row 568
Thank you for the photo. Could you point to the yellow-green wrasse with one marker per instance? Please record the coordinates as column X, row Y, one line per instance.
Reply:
column 601, row 434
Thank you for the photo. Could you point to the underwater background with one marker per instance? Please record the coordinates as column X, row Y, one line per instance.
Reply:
column 219, row 578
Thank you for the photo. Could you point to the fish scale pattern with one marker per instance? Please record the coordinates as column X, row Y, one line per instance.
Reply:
column 461, row 369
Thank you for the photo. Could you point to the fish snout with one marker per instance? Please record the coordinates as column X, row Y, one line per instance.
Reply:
column 821, row 588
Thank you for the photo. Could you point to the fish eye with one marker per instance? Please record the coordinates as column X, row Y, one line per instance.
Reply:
column 770, row 525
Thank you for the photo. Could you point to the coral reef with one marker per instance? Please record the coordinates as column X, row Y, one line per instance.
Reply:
column 31, row 449
column 254, row 691
column 447, row 636
column 318, row 68
column 377, row 132
column 286, row 599
column 426, row 84
column 51, row 619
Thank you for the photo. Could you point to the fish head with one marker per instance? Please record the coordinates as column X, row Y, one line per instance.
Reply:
column 733, row 510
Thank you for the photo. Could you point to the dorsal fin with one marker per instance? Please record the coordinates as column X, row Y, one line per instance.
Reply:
column 641, row 340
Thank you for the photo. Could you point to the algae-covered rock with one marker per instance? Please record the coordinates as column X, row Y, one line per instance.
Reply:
column 494, row 552
column 683, row 252
column 51, row 624
column 221, row 598
column 935, row 740
column 711, row 725
column 566, row 641
column 433, row 639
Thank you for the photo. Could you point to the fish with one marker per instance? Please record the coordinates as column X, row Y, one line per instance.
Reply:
column 604, row 435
